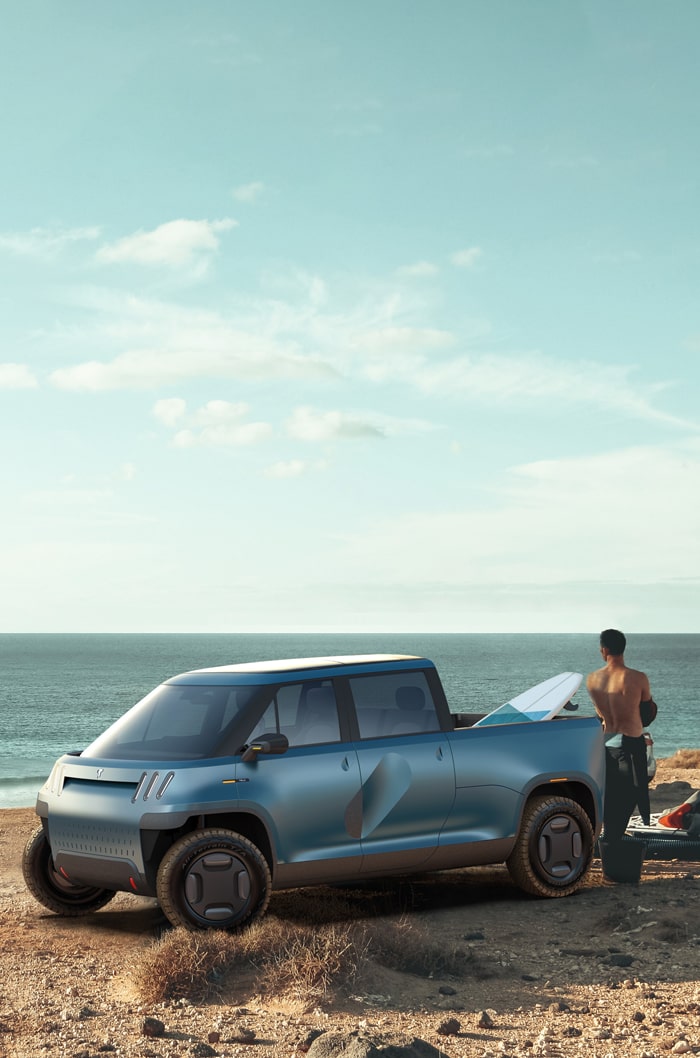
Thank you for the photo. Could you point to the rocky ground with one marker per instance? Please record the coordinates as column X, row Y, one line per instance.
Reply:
column 612, row 971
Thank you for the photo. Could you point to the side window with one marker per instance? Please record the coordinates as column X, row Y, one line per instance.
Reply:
column 393, row 703
column 305, row 712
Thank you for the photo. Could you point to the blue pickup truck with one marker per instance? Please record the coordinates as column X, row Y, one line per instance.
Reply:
column 225, row 784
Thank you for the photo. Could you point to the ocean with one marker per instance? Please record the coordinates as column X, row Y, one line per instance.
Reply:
column 58, row 692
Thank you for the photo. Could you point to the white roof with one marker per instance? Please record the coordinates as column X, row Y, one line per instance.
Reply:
column 291, row 664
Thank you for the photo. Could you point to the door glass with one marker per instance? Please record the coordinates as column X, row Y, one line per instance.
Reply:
column 305, row 712
column 393, row 703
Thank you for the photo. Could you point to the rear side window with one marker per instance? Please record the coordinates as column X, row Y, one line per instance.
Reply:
column 393, row 703
column 306, row 713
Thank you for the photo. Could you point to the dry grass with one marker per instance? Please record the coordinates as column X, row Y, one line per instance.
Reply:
column 684, row 758
column 325, row 947
column 182, row 965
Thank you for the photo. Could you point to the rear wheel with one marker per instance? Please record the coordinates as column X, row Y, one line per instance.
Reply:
column 51, row 888
column 554, row 848
column 213, row 879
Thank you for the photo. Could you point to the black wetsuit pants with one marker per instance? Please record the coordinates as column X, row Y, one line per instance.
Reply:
column 626, row 785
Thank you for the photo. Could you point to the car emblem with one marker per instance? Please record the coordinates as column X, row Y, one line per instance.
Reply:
column 100, row 772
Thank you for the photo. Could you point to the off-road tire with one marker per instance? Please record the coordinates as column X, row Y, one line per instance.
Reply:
column 50, row 887
column 213, row 879
column 554, row 847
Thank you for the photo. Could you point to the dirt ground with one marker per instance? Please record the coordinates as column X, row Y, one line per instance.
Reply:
column 610, row 971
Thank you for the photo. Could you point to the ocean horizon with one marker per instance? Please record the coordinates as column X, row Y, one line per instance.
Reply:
column 58, row 691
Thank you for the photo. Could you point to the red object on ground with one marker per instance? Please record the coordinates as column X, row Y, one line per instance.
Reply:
column 677, row 818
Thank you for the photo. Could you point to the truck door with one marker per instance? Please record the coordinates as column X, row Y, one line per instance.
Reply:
column 406, row 771
column 304, row 794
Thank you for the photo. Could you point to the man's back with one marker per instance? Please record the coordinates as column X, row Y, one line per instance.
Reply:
column 616, row 692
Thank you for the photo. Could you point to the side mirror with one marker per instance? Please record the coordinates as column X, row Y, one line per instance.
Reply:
column 269, row 745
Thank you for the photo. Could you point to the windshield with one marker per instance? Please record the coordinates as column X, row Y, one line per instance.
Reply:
column 179, row 722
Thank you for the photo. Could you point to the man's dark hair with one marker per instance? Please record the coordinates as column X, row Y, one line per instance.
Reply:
column 613, row 641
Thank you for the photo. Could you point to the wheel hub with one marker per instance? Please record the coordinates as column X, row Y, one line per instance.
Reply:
column 217, row 886
column 560, row 848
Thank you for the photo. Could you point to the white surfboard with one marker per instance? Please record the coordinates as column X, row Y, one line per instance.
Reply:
column 541, row 702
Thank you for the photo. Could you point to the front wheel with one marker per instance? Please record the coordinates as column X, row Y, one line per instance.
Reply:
column 554, row 847
column 213, row 879
column 51, row 888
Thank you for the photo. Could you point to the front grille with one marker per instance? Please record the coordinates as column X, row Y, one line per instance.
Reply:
column 96, row 839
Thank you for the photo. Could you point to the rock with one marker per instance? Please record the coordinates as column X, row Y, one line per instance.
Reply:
column 449, row 1027
column 621, row 960
column 447, row 990
column 681, row 1047
column 312, row 1034
column 571, row 1031
column 153, row 1028
column 546, row 1045
column 356, row 1045
column 202, row 1050
column 243, row 1035
column 474, row 935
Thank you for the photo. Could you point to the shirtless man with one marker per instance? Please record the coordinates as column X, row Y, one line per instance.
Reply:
column 617, row 694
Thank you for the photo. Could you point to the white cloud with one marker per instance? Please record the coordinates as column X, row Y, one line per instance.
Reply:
column 419, row 270
column 307, row 424
column 383, row 340
column 45, row 242
column 176, row 243
column 249, row 192
column 298, row 335
column 160, row 343
column 533, row 377
column 17, row 376
column 388, row 353
column 218, row 412
column 169, row 410
column 221, row 424
column 466, row 258
column 233, row 355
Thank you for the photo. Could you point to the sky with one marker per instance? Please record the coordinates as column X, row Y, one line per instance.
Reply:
column 370, row 317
